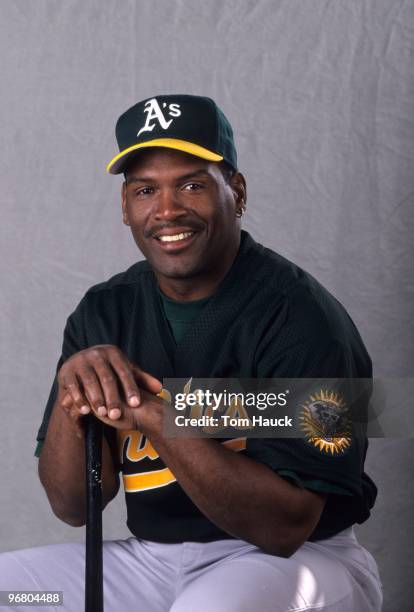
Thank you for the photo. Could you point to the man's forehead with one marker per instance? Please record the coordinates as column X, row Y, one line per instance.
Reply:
column 158, row 161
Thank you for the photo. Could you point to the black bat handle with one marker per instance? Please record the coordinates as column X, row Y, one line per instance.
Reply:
column 93, row 559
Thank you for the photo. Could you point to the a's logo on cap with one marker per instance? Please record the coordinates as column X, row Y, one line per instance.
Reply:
column 154, row 112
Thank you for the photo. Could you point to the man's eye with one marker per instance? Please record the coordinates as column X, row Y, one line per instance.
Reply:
column 193, row 186
column 143, row 191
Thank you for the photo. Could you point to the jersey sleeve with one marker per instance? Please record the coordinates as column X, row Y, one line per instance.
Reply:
column 74, row 340
column 322, row 486
column 317, row 340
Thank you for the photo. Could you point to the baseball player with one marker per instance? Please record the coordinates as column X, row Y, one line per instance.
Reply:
column 217, row 525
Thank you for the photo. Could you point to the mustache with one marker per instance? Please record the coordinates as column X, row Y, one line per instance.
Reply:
column 192, row 226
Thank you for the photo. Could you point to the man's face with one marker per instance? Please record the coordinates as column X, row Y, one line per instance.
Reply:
column 182, row 214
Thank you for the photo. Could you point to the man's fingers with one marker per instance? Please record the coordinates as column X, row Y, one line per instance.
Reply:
column 102, row 379
column 71, row 385
column 91, row 386
column 124, row 371
column 111, row 405
column 66, row 401
column 145, row 380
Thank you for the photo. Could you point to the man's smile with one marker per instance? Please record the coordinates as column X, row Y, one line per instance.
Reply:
column 174, row 237
column 173, row 240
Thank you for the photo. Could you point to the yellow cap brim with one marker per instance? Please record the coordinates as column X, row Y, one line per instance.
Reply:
column 115, row 165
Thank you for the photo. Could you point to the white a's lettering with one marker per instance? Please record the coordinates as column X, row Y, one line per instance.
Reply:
column 174, row 110
column 153, row 110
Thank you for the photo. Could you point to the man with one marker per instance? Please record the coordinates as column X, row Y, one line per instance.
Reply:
column 218, row 525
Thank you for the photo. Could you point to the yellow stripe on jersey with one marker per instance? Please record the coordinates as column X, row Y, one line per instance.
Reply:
column 148, row 480
column 143, row 481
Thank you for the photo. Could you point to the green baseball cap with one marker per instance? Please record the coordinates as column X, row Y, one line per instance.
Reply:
column 192, row 124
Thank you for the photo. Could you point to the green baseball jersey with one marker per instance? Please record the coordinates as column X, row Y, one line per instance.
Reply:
column 268, row 319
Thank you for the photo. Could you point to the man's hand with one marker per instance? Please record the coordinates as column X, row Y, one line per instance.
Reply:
column 101, row 378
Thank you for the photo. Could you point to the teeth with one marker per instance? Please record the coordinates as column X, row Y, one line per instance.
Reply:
column 175, row 237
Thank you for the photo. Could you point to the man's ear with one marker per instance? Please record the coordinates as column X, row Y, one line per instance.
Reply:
column 125, row 217
column 238, row 185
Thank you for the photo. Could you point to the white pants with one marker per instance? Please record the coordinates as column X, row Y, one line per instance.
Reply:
column 336, row 574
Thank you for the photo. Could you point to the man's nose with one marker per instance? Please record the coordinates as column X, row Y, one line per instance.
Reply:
column 168, row 205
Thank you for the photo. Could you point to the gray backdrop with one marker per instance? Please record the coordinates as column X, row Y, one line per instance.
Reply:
column 320, row 95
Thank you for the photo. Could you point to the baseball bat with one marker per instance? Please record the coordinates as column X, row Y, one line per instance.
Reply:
column 93, row 556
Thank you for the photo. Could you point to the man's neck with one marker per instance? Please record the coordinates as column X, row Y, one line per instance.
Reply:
column 189, row 289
